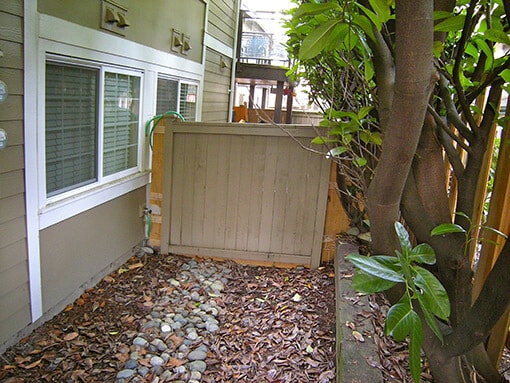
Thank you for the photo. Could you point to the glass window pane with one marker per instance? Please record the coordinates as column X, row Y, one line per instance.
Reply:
column 167, row 96
column 70, row 127
column 121, row 116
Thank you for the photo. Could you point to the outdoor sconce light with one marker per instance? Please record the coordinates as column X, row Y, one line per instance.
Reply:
column 123, row 21
column 114, row 17
column 111, row 16
column 223, row 63
column 177, row 41
column 186, row 45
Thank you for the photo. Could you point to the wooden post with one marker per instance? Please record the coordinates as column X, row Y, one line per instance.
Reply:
column 252, row 96
column 290, row 98
column 264, row 98
column 500, row 219
column 156, row 187
column 278, row 103
column 336, row 219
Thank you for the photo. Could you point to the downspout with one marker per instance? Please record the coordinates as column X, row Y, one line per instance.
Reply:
column 236, row 48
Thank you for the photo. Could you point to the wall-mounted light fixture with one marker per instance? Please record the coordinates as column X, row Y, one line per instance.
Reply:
column 179, row 42
column 114, row 17
column 223, row 63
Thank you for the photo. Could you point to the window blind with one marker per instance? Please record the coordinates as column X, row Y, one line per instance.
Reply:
column 120, row 124
column 71, row 127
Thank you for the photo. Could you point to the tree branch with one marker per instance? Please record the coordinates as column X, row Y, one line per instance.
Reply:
column 451, row 110
column 444, row 127
column 466, row 32
column 493, row 301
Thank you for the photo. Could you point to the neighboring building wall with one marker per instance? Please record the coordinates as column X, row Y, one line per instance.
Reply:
column 77, row 252
column 222, row 19
column 219, row 58
column 216, row 87
column 14, row 290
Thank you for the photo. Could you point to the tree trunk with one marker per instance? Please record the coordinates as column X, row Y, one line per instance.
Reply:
column 413, row 83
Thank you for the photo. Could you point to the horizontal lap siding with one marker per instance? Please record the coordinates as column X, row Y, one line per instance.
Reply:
column 221, row 22
column 253, row 195
column 216, row 88
column 14, row 289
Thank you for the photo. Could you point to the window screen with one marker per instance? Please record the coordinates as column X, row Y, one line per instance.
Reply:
column 121, row 115
column 71, row 127
column 167, row 96
column 188, row 101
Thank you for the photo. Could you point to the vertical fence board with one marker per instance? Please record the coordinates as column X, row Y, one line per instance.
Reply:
column 245, row 178
column 281, row 196
column 213, row 187
column 268, row 196
column 221, row 192
column 255, row 194
column 234, row 172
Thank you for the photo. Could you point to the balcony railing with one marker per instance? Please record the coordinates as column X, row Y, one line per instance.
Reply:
column 263, row 39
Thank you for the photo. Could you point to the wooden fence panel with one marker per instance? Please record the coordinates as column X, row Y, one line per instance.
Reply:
column 243, row 191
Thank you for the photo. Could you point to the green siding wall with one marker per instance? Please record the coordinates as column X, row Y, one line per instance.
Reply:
column 14, row 290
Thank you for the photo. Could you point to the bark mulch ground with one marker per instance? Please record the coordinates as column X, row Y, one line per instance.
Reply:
column 276, row 325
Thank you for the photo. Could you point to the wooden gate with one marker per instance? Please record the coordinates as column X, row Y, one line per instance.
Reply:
column 243, row 191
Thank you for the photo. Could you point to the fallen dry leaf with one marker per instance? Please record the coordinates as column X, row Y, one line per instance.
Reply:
column 71, row 336
column 357, row 335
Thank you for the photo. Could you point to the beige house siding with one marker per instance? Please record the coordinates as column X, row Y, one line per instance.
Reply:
column 221, row 22
column 151, row 22
column 76, row 253
column 216, row 87
column 14, row 290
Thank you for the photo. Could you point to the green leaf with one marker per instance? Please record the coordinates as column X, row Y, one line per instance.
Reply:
column 360, row 161
column 497, row 36
column 415, row 342
column 438, row 15
column 371, row 266
column 451, row 24
column 320, row 140
column 365, row 25
column 376, row 138
column 381, row 8
column 363, row 112
column 388, row 261
column 495, row 231
column 400, row 320
column 403, row 236
column 338, row 151
column 505, row 75
column 369, row 284
column 423, row 253
column 430, row 318
column 434, row 294
column 447, row 228
column 374, row 19
column 320, row 38
column 310, row 9
column 489, row 53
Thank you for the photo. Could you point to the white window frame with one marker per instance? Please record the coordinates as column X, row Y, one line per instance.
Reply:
column 53, row 207
column 180, row 82
column 84, row 45
column 101, row 179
